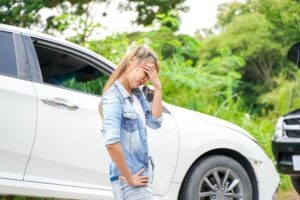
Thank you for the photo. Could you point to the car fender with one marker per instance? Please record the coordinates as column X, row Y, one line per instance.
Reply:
column 213, row 140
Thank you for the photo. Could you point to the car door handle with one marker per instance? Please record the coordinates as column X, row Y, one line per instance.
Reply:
column 56, row 102
column 66, row 104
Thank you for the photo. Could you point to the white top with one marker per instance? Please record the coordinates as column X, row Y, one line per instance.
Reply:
column 139, row 109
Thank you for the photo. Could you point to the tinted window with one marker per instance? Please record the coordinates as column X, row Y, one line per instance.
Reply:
column 8, row 63
column 65, row 70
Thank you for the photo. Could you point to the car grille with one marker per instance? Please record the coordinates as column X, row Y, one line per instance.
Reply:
column 293, row 133
column 291, row 126
column 292, row 121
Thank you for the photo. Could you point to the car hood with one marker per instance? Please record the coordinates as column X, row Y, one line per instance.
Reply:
column 220, row 122
column 294, row 112
column 174, row 110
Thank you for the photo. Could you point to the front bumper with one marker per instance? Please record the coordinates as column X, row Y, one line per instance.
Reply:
column 267, row 185
column 283, row 149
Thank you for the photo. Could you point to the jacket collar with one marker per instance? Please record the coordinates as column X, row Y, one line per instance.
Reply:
column 122, row 89
column 124, row 92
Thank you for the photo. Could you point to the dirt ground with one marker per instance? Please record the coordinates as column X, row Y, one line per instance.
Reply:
column 289, row 195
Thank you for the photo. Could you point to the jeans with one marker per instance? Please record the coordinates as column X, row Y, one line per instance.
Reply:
column 123, row 191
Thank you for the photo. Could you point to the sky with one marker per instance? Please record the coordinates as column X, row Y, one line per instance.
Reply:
column 202, row 14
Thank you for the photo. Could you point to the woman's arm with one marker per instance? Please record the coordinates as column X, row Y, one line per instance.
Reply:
column 157, row 102
column 157, row 107
column 116, row 153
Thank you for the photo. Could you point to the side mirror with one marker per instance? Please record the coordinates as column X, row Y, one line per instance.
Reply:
column 149, row 92
column 294, row 54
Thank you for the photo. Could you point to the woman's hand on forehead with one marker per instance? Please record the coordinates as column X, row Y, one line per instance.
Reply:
column 151, row 71
column 149, row 66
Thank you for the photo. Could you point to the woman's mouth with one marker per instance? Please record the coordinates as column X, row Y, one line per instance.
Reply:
column 140, row 83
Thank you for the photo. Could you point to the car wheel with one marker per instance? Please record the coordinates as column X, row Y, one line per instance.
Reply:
column 296, row 183
column 217, row 177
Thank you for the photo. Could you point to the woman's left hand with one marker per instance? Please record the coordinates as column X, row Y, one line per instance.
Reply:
column 152, row 74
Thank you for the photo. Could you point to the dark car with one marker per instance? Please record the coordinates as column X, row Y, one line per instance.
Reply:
column 286, row 141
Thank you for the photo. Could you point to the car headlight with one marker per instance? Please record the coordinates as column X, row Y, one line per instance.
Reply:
column 279, row 127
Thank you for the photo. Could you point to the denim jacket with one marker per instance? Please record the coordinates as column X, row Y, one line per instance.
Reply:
column 122, row 124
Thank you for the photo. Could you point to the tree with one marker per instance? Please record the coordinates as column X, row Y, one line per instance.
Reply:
column 149, row 9
column 80, row 22
column 284, row 15
column 76, row 13
column 228, row 11
column 246, row 30
column 250, row 36
column 25, row 13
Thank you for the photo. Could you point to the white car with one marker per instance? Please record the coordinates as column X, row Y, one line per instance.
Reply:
column 51, row 144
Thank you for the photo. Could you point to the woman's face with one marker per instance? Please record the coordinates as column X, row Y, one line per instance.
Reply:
column 136, row 75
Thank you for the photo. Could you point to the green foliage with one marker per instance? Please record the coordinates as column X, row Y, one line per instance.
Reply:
column 26, row 13
column 247, row 30
column 228, row 11
column 285, row 96
column 203, row 88
column 284, row 14
column 169, row 20
column 75, row 15
column 113, row 47
column 167, row 44
column 148, row 10
column 250, row 36
column 93, row 87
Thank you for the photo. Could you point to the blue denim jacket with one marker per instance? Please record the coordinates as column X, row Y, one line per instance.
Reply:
column 122, row 124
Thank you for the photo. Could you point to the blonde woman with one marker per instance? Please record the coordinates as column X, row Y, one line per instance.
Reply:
column 125, row 113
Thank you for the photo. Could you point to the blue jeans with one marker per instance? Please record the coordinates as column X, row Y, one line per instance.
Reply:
column 123, row 191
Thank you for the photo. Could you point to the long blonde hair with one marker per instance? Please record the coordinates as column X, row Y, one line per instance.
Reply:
column 142, row 53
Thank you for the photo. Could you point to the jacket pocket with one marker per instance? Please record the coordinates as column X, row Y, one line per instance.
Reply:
column 130, row 121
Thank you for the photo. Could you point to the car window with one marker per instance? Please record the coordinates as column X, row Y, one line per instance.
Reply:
column 8, row 63
column 65, row 70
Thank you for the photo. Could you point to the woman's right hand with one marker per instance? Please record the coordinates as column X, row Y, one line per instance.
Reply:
column 136, row 179
column 152, row 74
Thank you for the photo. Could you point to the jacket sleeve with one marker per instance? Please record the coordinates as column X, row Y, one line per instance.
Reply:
column 152, row 121
column 112, row 118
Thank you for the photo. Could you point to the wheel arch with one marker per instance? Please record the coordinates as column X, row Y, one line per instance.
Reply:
column 234, row 155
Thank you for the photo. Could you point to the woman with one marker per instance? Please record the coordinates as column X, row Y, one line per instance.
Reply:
column 125, row 113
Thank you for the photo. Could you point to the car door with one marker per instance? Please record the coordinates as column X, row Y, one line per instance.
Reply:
column 68, row 147
column 17, row 107
column 164, row 147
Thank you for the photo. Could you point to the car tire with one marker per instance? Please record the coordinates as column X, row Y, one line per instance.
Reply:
column 296, row 183
column 216, row 177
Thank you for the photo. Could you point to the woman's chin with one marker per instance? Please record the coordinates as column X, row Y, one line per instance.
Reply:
column 137, row 85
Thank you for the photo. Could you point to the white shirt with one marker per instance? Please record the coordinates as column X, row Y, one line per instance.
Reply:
column 139, row 109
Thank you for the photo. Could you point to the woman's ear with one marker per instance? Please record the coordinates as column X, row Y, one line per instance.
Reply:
column 132, row 60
